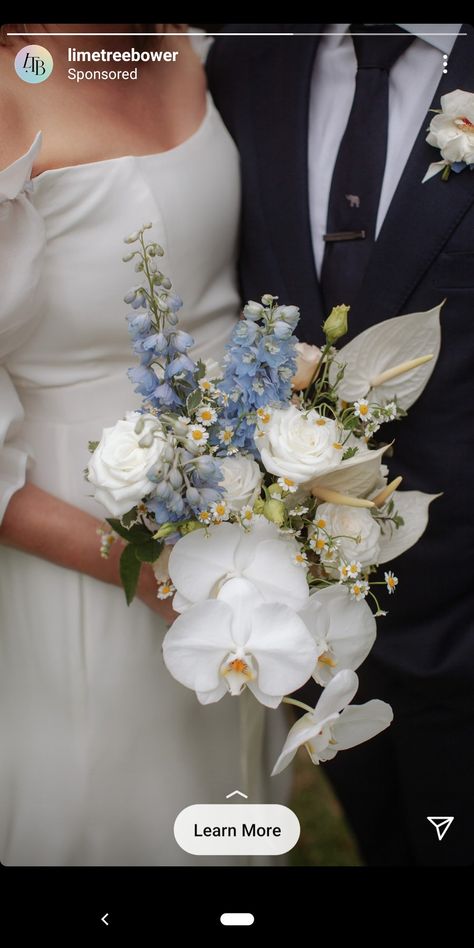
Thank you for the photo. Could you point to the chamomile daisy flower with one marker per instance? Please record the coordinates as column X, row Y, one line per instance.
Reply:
column 320, row 523
column 391, row 581
column 226, row 435
column 390, row 411
column 166, row 590
column 362, row 409
column 246, row 515
column 204, row 516
column 286, row 483
column 219, row 511
column 198, row 434
column 206, row 415
column 206, row 386
column 349, row 570
column 318, row 544
column 298, row 511
column 359, row 589
column 264, row 415
column 300, row 558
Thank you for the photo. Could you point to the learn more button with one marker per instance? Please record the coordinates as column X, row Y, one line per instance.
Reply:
column 232, row 829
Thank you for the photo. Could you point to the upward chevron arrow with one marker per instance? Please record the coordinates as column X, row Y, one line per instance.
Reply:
column 236, row 793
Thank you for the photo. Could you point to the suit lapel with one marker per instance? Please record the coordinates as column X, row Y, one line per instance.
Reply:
column 421, row 216
column 282, row 112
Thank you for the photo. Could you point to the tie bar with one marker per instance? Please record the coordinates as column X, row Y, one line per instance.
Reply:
column 344, row 235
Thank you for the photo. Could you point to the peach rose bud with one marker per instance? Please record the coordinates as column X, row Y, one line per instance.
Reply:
column 307, row 360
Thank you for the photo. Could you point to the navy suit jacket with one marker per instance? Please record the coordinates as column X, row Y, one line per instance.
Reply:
column 424, row 253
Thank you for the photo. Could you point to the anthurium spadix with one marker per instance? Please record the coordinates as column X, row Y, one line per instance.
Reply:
column 373, row 356
column 332, row 725
column 344, row 631
column 239, row 625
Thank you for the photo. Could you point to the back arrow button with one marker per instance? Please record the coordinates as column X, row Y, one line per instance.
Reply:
column 104, row 918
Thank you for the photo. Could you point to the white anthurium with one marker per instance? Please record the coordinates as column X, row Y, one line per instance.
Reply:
column 239, row 640
column 344, row 631
column 397, row 342
column 356, row 477
column 332, row 725
column 412, row 505
column 200, row 564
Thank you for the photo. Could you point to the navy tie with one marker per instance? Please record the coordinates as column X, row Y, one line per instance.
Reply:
column 358, row 173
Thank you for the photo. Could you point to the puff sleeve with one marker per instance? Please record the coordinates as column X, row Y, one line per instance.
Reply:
column 21, row 249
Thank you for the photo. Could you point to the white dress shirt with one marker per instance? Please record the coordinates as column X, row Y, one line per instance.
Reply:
column 412, row 84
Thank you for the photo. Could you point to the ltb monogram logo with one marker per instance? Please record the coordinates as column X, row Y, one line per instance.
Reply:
column 33, row 64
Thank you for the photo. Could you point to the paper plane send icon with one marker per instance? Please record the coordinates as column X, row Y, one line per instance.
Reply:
column 441, row 824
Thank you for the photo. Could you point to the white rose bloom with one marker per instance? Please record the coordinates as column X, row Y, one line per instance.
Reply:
column 242, row 480
column 299, row 445
column 357, row 522
column 119, row 465
column 452, row 130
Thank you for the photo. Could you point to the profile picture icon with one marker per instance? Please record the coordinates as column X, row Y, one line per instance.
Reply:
column 33, row 64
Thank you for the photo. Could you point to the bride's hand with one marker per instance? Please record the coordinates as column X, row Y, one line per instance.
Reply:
column 147, row 589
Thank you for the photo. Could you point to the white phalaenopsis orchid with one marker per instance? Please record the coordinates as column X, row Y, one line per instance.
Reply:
column 394, row 344
column 332, row 726
column 239, row 593
column 344, row 631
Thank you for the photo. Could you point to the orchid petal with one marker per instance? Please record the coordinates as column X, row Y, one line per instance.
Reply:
column 351, row 633
column 302, row 731
column 336, row 695
column 283, row 648
column 413, row 506
column 316, row 618
column 276, row 576
column 361, row 722
column 199, row 561
column 209, row 697
column 180, row 603
column 270, row 701
column 242, row 597
column 260, row 530
column 383, row 346
column 197, row 643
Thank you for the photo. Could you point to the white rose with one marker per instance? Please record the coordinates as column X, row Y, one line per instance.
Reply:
column 242, row 480
column 299, row 445
column 307, row 360
column 452, row 130
column 357, row 522
column 120, row 463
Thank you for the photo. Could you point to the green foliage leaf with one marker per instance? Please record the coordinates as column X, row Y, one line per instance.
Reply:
column 136, row 534
column 129, row 518
column 193, row 401
column 130, row 568
column 349, row 453
column 201, row 370
column 92, row 446
column 149, row 552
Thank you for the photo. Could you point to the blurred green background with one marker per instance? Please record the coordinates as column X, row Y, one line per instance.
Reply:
column 326, row 839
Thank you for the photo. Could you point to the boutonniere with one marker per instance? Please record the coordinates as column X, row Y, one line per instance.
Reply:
column 452, row 131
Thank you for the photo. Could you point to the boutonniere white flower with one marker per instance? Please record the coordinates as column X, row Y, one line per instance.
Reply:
column 452, row 131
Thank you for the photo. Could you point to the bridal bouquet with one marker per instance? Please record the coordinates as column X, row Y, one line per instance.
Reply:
column 258, row 491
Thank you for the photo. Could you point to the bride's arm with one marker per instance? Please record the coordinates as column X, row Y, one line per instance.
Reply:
column 38, row 523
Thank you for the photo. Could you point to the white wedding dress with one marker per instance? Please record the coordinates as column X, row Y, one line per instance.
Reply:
column 99, row 747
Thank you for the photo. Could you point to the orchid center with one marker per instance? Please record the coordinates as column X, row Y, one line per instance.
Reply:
column 237, row 670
